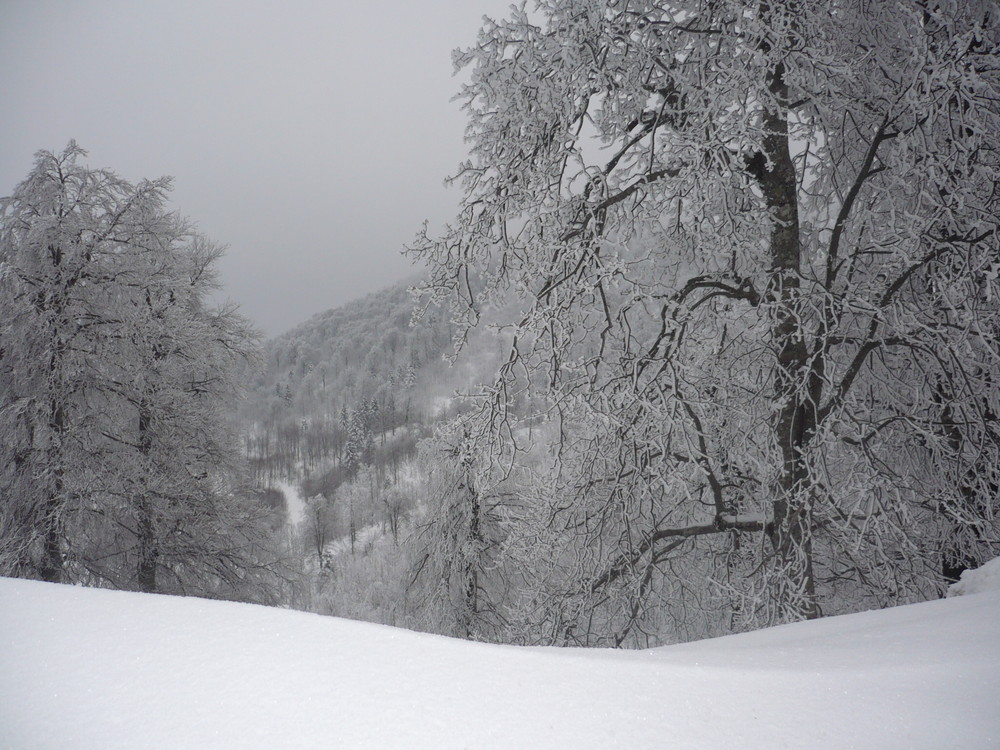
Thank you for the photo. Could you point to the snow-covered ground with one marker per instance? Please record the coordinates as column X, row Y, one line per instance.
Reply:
column 85, row 668
column 983, row 578
column 294, row 502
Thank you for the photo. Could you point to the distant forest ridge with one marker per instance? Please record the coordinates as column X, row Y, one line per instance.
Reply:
column 361, row 362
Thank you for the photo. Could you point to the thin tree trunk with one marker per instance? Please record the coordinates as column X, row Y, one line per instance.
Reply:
column 470, row 582
column 148, row 550
column 146, row 527
column 51, row 567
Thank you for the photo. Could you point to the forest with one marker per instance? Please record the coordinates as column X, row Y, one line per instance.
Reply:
column 712, row 344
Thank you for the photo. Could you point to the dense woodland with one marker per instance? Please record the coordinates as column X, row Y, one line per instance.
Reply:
column 328, row 386
column 346, row 414
column 712, row 344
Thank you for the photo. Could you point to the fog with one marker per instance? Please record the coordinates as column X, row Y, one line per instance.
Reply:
column 312, row 138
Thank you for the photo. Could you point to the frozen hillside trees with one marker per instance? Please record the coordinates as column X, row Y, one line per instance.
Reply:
column 114, row 373
column 755, row 250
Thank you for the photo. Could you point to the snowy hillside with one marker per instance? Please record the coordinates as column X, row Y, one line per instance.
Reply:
column 84, row 668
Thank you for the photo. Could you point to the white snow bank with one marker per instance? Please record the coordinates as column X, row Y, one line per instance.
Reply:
column 85, row 668
column 984, row 578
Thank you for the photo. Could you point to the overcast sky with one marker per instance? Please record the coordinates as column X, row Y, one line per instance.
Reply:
column 310, row 137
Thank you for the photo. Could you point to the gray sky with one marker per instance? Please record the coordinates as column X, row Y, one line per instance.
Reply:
column 311, row 137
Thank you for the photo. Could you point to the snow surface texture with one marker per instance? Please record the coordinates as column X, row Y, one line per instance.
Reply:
column 984, row 578
column 87, row 668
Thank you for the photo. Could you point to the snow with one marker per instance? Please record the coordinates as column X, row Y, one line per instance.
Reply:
column 294, row 502
column 984, row 578
column 87, row 668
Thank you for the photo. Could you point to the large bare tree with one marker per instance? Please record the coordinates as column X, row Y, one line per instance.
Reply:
column 115, row 373
column 753, row 251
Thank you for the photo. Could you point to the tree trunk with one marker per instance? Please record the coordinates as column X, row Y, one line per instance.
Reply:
column 50, row 567
column 148, row 549
column 146, row 527
column 957, row 557
column 790, row 531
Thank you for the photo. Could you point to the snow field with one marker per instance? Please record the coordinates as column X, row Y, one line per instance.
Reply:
column 87, row 668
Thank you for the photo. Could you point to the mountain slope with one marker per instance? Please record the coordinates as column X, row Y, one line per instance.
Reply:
column 345, row 355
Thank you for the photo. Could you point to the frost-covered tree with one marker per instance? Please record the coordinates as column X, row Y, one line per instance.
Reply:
column 117, row 461
column 754, row 245
column 456, row 585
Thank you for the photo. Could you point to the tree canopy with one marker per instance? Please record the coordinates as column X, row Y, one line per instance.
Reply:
column 115, row 373
column 754, row 251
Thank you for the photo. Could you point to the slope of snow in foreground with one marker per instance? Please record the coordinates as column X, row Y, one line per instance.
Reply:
column 86, row 668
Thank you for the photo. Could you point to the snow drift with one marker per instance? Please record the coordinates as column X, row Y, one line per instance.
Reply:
column 984, row 578
column 85, row 668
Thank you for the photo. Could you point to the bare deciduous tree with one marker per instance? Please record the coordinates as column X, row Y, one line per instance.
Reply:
column 117, row 461
column 754, row 246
